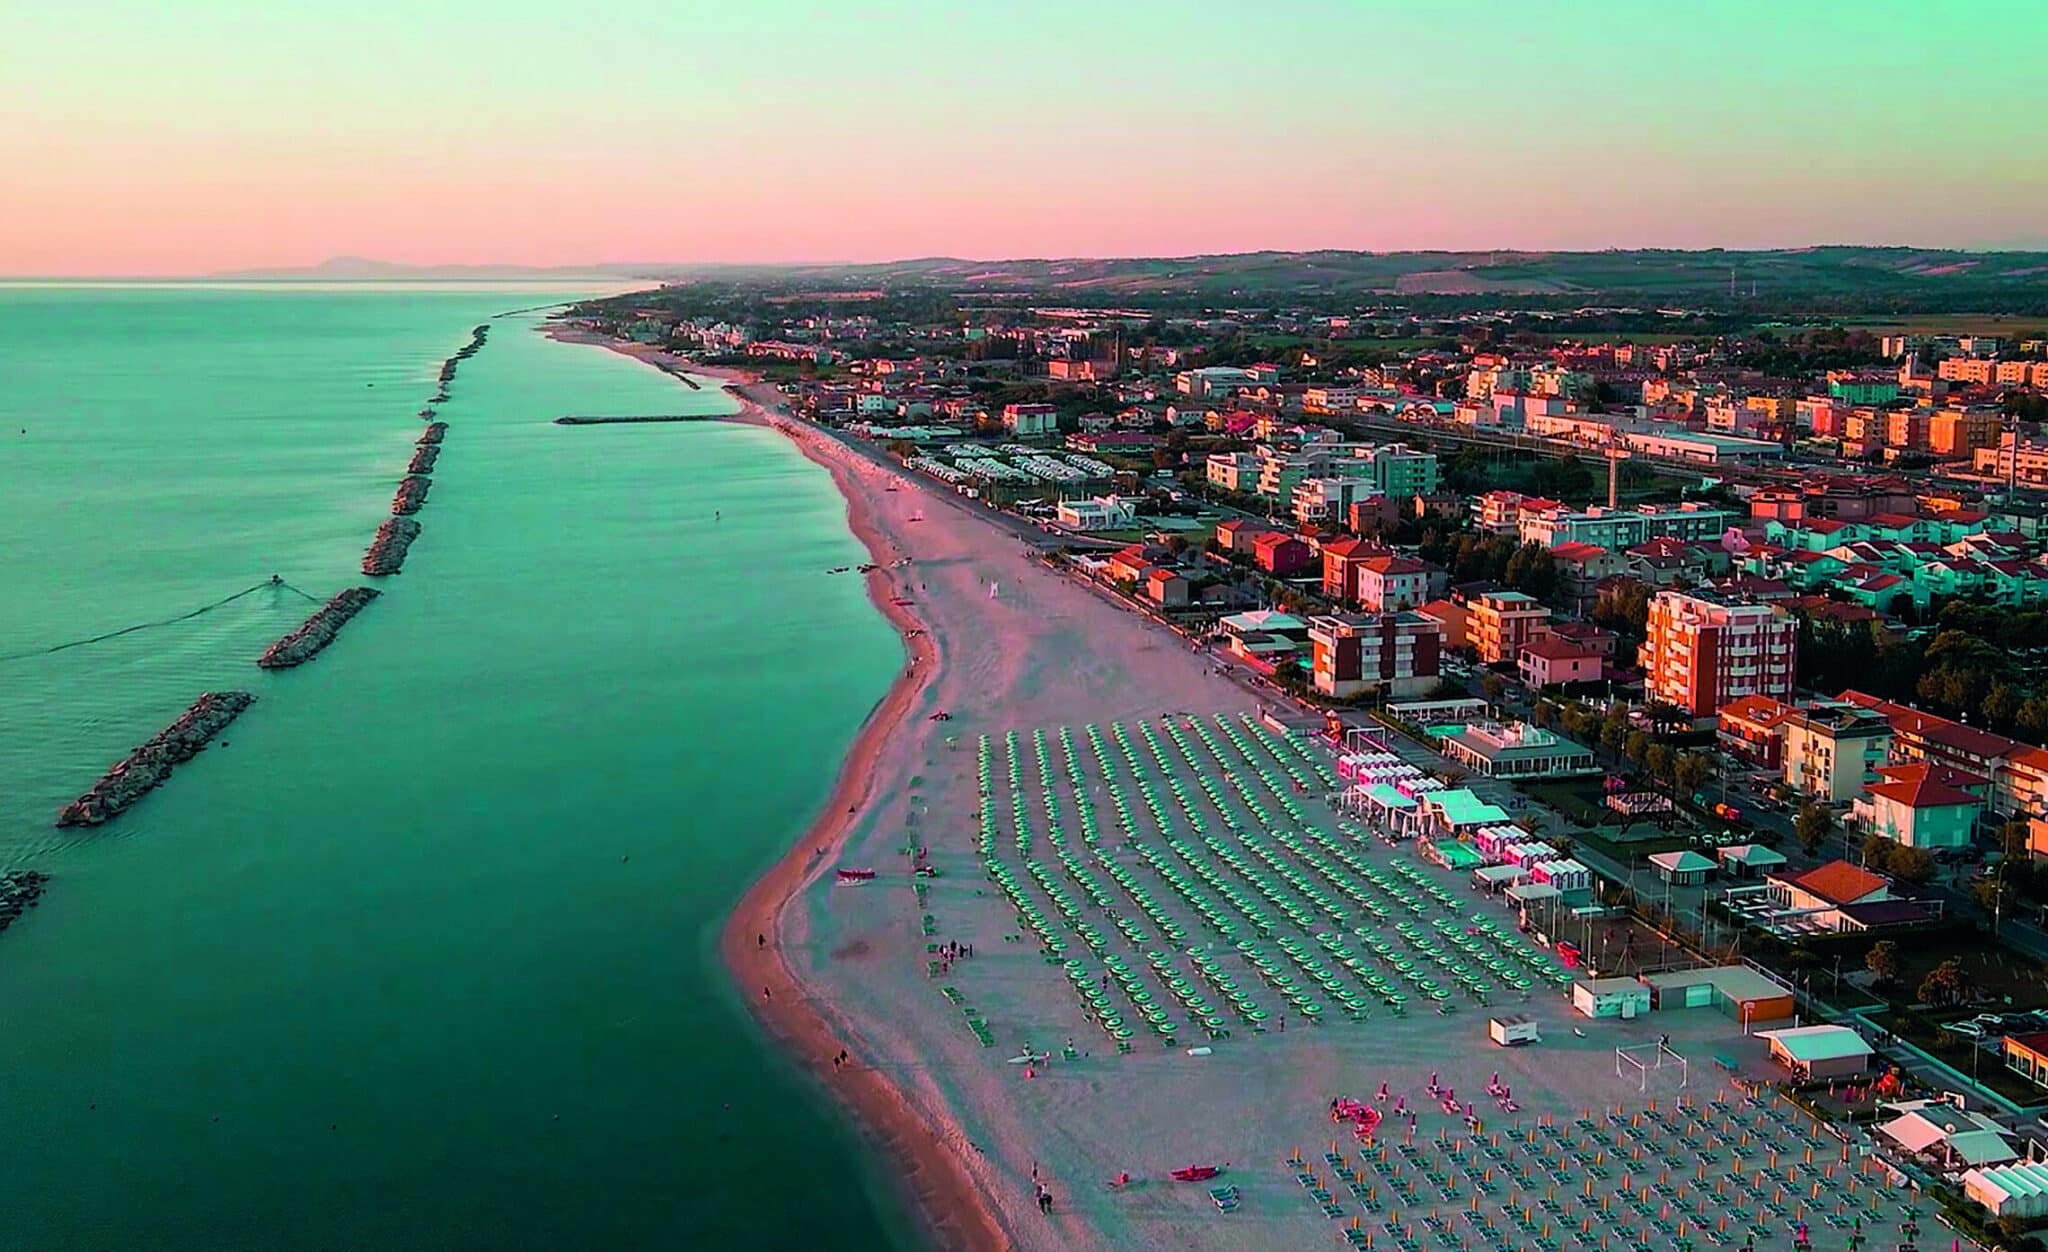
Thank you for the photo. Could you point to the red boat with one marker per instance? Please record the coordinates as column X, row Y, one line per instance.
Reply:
column 1195, row 1173
column 856, row 875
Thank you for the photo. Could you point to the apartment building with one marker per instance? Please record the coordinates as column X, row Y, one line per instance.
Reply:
column 1831, row 751
column 1500, row 622
column 1387, row 583
column 1390, row 654
column 1703, row 651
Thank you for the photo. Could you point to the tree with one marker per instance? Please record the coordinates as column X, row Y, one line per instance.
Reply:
column 2001, row 705
column 1545, row 713
column 1658, row 759
column 1945, row 985
column 1883, row 961
column 1877, row 852
column 1613, row 734
column 1911, row 865
column 1691, row 771
column 1813, row 826
column 1635, row 746
column 1493, row 687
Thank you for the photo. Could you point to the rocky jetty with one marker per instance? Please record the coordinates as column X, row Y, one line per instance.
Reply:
column 387, row 549
column 19, row 892
column 432, row 434
column 149, row 765
column 317, row 631
column 411, row 494
column 423, row 458
column 577, row 419
column 427, row 414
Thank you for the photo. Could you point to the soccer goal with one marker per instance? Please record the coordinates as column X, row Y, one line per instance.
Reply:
column 1640, row 1060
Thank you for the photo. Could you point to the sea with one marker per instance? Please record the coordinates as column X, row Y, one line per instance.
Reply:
column 422, row 952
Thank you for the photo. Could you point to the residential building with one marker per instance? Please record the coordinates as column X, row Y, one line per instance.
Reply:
column 1452, row 618
column 1550, row 660
column 1031, row 419
column 1703, row 651
column 1403, row 472
column 1615, row 529
column 2018, row 772
column 1500, row 622
column 1167, row 588
column 1385, row 583
column 1749, row 729
column 1281, row 554
column 1701, row 447
column 1328, row 501
column 1236, row 535
column 1922, row 806
column 1233, row 471
column 1516, row 750
column 1211, row 381
column 1389, row 654
column 1959, row 369
column 1960, row 432
column 1831, row 751
column 1581, row 568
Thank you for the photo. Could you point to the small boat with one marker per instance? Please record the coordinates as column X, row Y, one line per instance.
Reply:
column 1031, row 1058
column 1195, row 1173
column 856, row 875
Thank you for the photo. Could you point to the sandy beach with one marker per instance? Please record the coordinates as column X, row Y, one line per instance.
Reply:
column 1001, row 643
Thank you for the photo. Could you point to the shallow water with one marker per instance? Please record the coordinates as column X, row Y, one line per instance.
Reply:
column 422, row 955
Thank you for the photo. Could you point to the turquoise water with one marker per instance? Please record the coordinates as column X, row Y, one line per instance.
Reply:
column 423, row 955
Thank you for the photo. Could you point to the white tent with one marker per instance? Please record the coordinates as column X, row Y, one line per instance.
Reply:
column 2019, row 1190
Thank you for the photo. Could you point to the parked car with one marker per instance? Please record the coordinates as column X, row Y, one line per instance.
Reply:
column 1968, row 1030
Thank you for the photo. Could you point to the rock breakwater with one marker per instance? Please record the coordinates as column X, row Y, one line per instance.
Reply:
column 19, row 892
column 387, row 549
column 411, row 494
column 144, row 769
column 316, row 632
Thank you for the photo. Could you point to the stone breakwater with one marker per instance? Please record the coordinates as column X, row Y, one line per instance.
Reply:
column 423, row 458
column 411, row 493
column 317, row 631
column 466, row 351
column 19, row 892
column 142, row 770
column 432, row 434
column 387, row 549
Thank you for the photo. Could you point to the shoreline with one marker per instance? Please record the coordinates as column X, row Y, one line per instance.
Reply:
column 949, row 1207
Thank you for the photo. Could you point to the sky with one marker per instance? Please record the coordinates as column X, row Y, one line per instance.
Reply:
column 169, row 139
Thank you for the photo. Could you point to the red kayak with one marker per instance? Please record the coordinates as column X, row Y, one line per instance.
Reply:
column 1195, row 1173
column 856, row 875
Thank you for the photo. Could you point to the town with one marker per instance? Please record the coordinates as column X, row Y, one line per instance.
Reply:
column 1729, row 632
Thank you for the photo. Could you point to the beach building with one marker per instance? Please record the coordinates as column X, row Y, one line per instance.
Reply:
column 1615, row 529
column 1819, row 1051
column 1945, row 1138
column 1625, row 998
column 1455, row 810
column 1167, row 588
column 2027, row 1055
column 2018, row 1190
column 1500, row 622
column 1743, row 992
column 1922, row 805
column 1263, row 635
column 1684, row 868
column 1516, row 750
column 1395, row 654
column 1837, row 896
column 1748, row 861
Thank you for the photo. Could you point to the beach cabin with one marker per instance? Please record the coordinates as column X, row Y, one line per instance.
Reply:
column 1684, row 868
column 1511, row 1032
column 1527, row 852
column 1625, row 998
column 1819, row 1051
column 1493, row 841
column 1571, row 880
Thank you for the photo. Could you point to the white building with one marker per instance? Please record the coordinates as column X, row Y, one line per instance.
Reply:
column 1325, row 501
column 1098, row 513
column 1516, row 750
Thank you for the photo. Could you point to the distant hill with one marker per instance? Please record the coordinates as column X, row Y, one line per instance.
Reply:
column 1851, row 274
